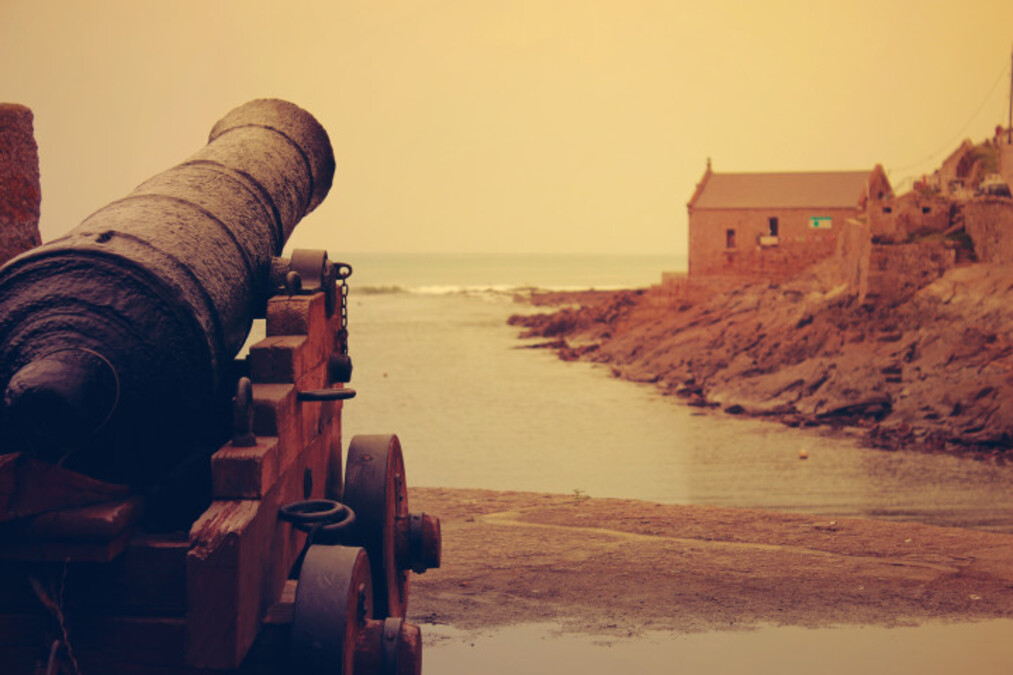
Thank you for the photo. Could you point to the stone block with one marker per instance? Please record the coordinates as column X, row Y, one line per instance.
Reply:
column 20, row 193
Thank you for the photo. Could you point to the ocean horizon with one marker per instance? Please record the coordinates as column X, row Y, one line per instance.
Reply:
column 448, row 273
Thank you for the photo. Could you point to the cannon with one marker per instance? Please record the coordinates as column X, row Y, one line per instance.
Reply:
column 177, row 507
column 124, row 328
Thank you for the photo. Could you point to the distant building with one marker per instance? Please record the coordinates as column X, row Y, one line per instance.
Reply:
column 955, row 175
column 772, row 225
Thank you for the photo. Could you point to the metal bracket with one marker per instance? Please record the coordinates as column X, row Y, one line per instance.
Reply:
column 242, row 415
column 391, row 638
column 309, row 271
column 325, row 395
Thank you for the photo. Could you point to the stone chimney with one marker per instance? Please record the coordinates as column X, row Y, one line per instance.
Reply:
column 20, row 194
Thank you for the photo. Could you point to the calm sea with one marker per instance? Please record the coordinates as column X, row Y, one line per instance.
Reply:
column 469, row 273
column 437, row 364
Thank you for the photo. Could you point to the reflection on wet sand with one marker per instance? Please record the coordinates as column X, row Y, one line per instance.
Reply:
column 982, row 648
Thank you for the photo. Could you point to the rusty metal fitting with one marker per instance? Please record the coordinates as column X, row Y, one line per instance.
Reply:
column 309, row 271
column 419, row 542
column 242, row 415
column 389, row 647
column 339, row 368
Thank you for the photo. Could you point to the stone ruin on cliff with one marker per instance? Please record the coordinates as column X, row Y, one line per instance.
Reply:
column 20, row 194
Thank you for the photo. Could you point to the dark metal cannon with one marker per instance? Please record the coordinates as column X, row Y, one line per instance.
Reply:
column 172, row 547
column 116, row 340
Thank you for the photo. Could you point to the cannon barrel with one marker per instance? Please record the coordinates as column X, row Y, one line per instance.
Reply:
column 116, row 340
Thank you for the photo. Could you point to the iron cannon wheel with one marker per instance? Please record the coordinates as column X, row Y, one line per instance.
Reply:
column 333, row 600
column 375, row 488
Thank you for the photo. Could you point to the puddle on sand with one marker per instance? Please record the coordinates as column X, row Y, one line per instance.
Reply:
column 981, row 648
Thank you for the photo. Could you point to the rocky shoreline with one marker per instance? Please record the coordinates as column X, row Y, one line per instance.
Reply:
column 928, row 369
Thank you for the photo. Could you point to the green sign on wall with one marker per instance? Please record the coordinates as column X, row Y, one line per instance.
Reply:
column 821, row 223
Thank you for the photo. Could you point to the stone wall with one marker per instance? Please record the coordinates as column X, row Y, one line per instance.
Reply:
column 20, row 194
column 677, row 288
column 898, row 219
column 883, row 273
column 989, row 222
column 797, row 245
column 897, row 271
column 1005, row 159
column 850, row 264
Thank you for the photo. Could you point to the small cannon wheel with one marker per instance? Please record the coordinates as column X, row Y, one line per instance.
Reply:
column 376, row 490
column 333, row 601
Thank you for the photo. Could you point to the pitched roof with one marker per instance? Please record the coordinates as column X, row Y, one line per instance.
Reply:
column 842, row 189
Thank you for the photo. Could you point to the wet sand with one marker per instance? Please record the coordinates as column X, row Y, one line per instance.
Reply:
column 620, row 568
column 935, row 648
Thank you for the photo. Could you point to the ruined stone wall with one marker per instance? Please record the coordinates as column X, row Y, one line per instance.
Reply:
column 955, row 167
column 851, row 258
column 989, row 222
column 1005, row 160
column 897, row 271
column 898, row 219
column 677, row 288
column 20, row 194
column 884, row 273
column 798, row 245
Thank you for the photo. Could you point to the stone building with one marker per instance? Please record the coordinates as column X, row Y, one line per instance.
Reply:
column 773, row 225
column 909, row 215
column 955, row 176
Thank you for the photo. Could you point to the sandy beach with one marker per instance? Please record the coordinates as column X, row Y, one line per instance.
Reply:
column 621, row 567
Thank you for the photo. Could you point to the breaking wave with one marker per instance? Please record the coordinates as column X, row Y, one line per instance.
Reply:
column 472, row 290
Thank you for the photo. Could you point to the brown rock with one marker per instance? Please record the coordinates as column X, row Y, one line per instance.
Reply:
column 20, row 194
column 935, row 369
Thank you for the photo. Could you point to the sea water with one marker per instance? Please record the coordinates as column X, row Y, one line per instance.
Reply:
column 436, row 363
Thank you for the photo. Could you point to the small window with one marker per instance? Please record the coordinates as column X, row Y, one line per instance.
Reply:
column 926, row 209
column 729, row 238
column 773, row 226
column 887, row 209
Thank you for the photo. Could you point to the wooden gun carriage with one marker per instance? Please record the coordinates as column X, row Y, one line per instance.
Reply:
column 164, row 506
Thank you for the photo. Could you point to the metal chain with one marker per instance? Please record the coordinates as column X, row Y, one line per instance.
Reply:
column 344, row 271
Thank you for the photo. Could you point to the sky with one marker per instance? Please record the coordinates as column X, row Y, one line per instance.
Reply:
column 494, row 126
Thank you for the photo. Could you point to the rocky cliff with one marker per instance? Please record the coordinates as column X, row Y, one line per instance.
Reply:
column 930, row 368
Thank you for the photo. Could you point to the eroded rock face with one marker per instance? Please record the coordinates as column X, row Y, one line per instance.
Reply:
column 931, row 368
column 20, row 194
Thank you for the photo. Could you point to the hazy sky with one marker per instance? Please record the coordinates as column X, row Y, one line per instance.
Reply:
column 513, row 126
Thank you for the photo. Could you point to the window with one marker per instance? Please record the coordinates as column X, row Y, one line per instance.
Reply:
column 729, row 238
column 926, row 209
column 887, row 209
column 773, row 226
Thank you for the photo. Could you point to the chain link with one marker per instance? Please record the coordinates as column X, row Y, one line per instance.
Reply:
column 344, row 271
